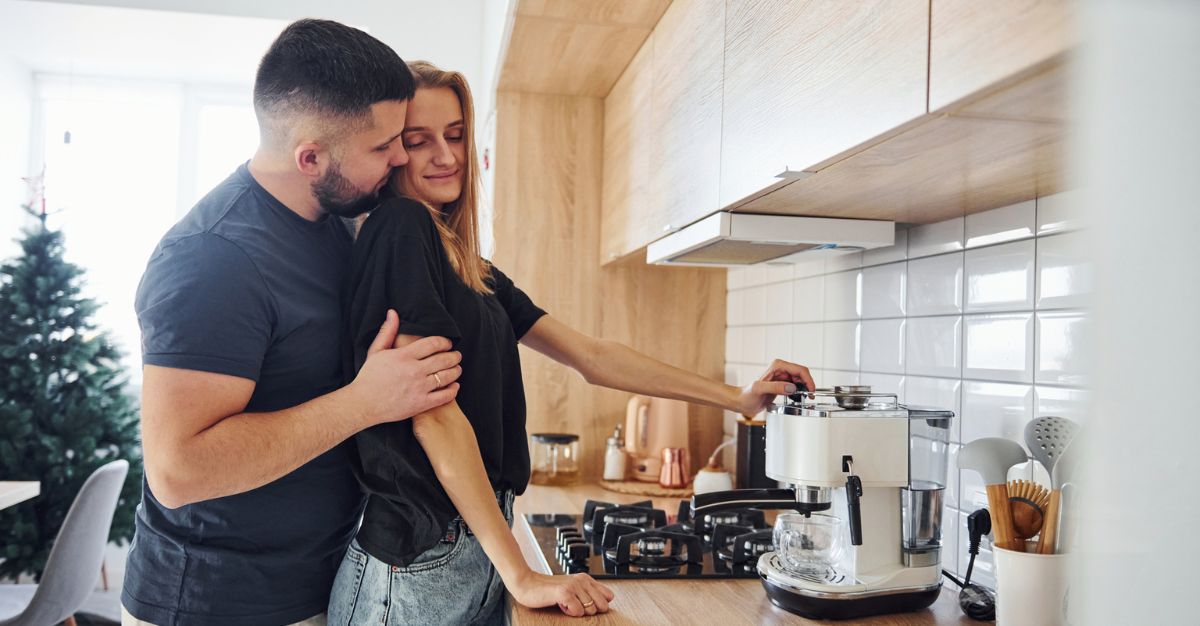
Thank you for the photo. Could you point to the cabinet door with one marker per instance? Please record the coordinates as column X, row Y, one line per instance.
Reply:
column 806, row 80
column 629, row 132
column 689, row 47
column 974, row 44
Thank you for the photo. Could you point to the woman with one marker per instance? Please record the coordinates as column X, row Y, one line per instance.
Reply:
column 435, row 545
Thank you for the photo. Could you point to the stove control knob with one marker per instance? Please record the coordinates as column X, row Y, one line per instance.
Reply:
column 578, row 553
column 570, row 542
column 565, row 531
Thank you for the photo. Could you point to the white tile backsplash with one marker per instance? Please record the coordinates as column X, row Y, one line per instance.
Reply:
column 882, row 346
column 1009, row 223
column 998, row 347
column 933, row 346
column 883, row 288
column 1063, row 271
column 935, row 285
column 841, row 345
column 1000, row 278
column 984, row 315
column 843, row 295
column 1062, row 348
column 936, row 238
column 808, row 299
column 996, row 410
column 778, row 303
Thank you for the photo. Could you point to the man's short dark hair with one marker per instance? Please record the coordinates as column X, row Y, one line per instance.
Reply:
column 329, row 70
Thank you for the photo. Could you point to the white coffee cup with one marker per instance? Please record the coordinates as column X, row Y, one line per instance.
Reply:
column 1030, row 588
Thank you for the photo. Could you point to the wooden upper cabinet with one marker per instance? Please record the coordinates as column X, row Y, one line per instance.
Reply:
column 806, row 80
column 975, row 44
column 689, row 44
column 627, row 210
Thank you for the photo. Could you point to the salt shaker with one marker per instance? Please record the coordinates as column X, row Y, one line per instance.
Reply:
column 614, row 456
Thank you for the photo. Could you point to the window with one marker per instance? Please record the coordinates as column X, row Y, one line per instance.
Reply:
column 124, row 161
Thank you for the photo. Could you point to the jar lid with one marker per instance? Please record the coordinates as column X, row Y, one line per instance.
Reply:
column 556, row 438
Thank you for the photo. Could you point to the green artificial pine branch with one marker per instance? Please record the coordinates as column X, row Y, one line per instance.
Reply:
column 64, row 406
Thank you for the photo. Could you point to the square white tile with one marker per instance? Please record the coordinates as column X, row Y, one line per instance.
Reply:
column 841, row 345
column 843, row 295
column 935, row 285
column 998, row 347
column 942, row 393
column 1000, row 278
column 936, row 238
column 890, row 254
column 1016, row 221
column 1064, row 271
column 1073, row 404
column 1060, row 212
column 754, row 344
column 808, row 341
column 883, row 288
column 1063, row 342
column 779, row 343
column 778, row 309
column 996, row 410
column 808, row 299
column 882, row 346
column 933, row 346
column 754, row 305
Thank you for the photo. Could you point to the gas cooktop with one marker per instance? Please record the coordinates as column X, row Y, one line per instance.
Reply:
column 636, row 541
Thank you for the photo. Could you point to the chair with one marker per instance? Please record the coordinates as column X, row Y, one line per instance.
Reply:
column 70, row 573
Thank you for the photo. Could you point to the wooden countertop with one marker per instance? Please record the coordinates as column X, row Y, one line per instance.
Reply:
column 725, row 602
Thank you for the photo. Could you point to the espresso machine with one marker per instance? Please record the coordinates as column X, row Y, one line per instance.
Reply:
column 878, row 465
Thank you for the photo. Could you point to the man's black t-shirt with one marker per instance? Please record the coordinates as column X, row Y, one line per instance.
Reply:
column 399, row 263
column 243, row 286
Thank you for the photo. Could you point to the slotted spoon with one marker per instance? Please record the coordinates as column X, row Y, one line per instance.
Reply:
column 1048, row 438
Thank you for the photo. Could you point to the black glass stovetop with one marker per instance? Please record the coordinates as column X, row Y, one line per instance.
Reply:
column 639, row 541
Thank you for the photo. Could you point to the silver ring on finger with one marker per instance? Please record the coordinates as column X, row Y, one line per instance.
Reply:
column 438, row 379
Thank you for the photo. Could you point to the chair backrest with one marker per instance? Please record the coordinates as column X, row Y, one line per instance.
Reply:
column 74, row 563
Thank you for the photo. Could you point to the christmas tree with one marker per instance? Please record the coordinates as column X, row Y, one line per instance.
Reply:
column 64, row 410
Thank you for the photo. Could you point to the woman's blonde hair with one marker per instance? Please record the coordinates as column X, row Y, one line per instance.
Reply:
column 458, row 221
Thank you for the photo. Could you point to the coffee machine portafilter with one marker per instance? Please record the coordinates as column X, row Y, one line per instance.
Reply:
column 881, row 467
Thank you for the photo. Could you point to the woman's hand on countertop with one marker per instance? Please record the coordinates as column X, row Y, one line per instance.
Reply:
column 781, row 378
column 576, row 595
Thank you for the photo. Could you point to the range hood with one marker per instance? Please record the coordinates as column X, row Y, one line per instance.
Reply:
column 733, row 239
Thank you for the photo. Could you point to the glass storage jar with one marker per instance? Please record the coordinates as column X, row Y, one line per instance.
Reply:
column 554, row 458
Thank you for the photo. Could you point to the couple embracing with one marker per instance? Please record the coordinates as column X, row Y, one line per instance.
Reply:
column 333, row 416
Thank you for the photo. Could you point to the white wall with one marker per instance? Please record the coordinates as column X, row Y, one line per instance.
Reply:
column 447, row 32
column 16, row 105
column 986, row 316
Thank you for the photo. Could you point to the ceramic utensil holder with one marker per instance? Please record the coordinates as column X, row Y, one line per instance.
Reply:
column 1031, row 588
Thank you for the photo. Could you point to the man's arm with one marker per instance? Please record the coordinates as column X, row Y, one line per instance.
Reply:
column 199, row 443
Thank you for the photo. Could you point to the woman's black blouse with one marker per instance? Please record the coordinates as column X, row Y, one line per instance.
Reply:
column 399, row 263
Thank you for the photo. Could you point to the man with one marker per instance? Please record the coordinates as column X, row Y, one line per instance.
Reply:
column 249, row 500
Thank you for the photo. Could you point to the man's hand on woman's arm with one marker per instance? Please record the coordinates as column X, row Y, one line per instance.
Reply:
column 200, row 444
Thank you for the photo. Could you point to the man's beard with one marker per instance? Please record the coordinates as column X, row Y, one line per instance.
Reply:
column 338, row 196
